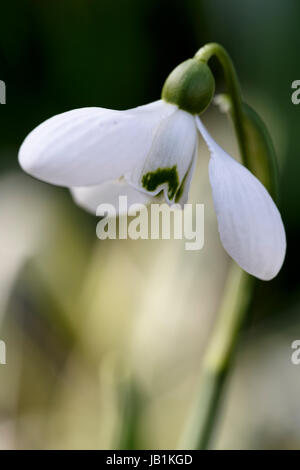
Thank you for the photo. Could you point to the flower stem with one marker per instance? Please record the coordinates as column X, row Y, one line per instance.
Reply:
column 218, row 359
column 233, row 88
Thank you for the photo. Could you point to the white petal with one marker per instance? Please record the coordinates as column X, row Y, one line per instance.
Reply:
column 169, row 159
column 90, row 197
column 90, row 145
column 250, row 224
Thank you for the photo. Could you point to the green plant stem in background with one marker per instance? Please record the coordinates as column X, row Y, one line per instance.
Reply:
column 217, row 359
column 131, row 405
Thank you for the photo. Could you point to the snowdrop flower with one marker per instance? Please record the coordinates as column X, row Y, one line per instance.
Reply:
column 149, row 153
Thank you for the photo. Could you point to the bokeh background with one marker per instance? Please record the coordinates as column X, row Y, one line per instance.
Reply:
column 105, row 338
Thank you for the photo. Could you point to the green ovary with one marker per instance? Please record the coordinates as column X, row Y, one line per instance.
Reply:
column 152, row 180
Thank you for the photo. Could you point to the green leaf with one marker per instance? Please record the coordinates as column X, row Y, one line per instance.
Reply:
column 261, row 157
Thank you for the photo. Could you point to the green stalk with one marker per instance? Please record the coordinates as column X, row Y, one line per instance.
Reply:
column 234, row 91
column 131, row 404
column 218, row 357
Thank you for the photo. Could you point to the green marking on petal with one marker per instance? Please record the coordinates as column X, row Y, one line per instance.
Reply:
column 180, row 190
column 152, row 180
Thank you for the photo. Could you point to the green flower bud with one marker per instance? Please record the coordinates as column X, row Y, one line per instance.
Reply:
column 190, row 86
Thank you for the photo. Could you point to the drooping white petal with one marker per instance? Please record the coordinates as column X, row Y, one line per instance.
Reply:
column 250, row 224
column 88, row 146
column 90, row 197
column 169, row 158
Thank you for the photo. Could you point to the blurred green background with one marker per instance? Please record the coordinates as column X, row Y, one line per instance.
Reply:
column 81, row 318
